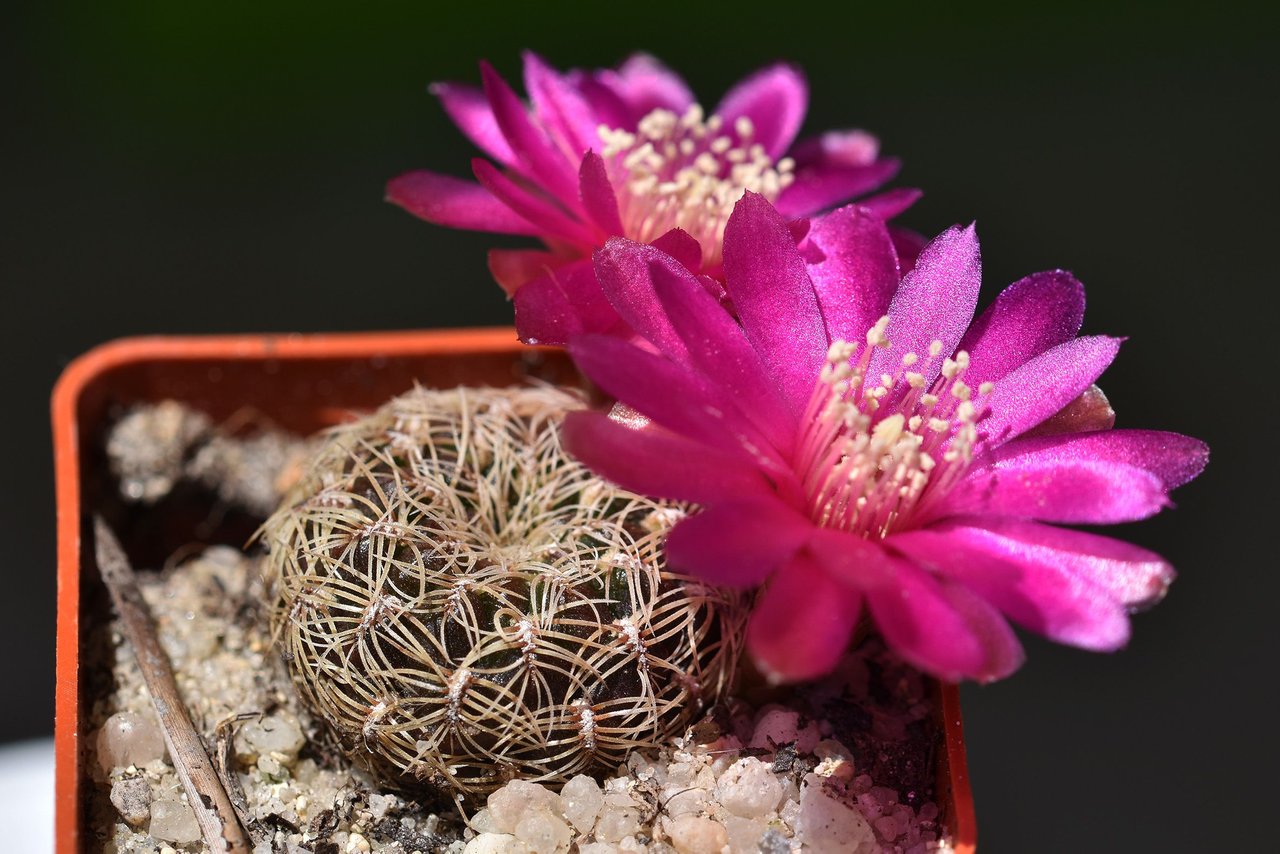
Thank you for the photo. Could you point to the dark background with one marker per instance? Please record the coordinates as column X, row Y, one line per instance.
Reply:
column 178, row 169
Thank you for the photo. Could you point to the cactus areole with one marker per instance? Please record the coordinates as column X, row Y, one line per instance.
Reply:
column 464, row 604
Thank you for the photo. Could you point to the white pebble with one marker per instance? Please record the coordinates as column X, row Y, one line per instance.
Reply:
column 582, row 801
column 173, row 821
column 357, row 844
column 617, row 822
column 744, row 833
column 279, row 733
column 691, row 834
column 543, row 832
column 510, row 803
column 776, row 726
column 495, row 843
column 749, row 788
column 827, row 825
column 129, row 738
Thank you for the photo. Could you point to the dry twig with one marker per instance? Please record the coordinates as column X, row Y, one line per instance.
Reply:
column 205, row 793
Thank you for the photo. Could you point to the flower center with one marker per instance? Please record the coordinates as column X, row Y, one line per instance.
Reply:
column 875, row 451
column 688, row 172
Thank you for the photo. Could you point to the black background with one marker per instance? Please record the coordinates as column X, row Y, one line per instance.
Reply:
column 220, row 169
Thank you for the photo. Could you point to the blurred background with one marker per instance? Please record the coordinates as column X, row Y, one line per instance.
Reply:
column 174, row 168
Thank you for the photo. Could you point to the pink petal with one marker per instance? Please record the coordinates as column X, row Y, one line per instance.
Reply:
column 1173, row 458
column 644, row 84
column 890, row 203
column 1043, row 386
column 854, row 270
column 1041, row 596
column 562, row 303
column 1029, row 317
column 852, row 560
column 775, row 99
column 679, row 244
column 718, row 349
column 821, row 186
column 934, row 302
column 653, row 461
column 512, row 268
column 770, row 288
column 663, row 391
column 1077, row 492
column 455, row 203
column 549, row 218
column 942, row 629
column 837, row 148
column 739, row 543
column 1132, row 576
column 470, row 111
column 802, row 624
column 559, row 107
column 598, row 198
column 1090, row 411
column 624, row 269
column 543, row 161
column 909, row 245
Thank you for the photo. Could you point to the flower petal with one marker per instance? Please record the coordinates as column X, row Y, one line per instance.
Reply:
column 1133, row 576
column 802, row 624
column 661, row 390
column 934, row 302
column 681, row 245
column 455, row 203
column 942, row 629
column 1030, row 316
column 550, row 220
column 559, row 106
column 718, row 349
column 625, row 271
column 1088, row 412
column 775, row 100
column 598, row 198
column 821, row 186
column 1081, row 492
column 512, row 268
column 657, row 462
column 543, row 162
column 770, row 288
column 562, row 303
column 737, row 543
column 469, row 109
column 1043, row 386
column 854, row 270
column 890, row 203
column 1173, row 458
column 1044, row 597
column 645, row 84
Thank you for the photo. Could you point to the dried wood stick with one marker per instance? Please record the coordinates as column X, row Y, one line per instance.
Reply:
column 205, row 793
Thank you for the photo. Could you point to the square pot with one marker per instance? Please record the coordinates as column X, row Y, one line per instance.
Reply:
column 300, row 383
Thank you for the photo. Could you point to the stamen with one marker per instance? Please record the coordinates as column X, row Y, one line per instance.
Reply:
column 684, row 172
column 877, row 449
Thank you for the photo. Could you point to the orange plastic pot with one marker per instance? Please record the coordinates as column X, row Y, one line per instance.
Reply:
column 301, row 383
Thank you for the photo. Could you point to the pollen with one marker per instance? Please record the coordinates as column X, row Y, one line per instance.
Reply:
column 878, row 449
column 688, row 171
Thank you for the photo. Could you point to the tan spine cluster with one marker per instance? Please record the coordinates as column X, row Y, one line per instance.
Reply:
column 465, row 604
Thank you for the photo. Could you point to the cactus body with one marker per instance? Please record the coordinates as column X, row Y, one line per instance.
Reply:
column 465, row 604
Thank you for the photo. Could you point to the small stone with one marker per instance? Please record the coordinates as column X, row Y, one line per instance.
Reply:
column 598, row 848
column 510, row 803
column 543, row 832
column 827, row 825
column 776, row 726
column 887, row 827
column 582, row 801
column 774, row 842
column 617, row 822
column 749, row 788
column 691, row 834
column 495, row 843
column 132, row 799
column 683, row 800
column 129, row 738
column 482, row 822
column 173, row 821
column 278, row 733
column 744, row 833
column 357, row 844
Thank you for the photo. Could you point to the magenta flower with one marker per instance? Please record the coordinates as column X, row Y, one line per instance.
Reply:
column 628, row 152
column 856, row 443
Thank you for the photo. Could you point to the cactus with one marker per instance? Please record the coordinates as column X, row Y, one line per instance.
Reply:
column 464, row 604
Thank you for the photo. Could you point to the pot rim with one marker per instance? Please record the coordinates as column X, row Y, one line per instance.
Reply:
column 91, row 367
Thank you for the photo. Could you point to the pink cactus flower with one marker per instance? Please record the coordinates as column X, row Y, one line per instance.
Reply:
column 859, row 444
column 630, row 153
